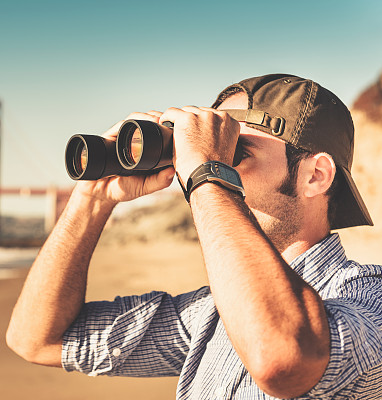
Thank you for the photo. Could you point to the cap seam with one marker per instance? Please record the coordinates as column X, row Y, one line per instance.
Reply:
column 301, row 122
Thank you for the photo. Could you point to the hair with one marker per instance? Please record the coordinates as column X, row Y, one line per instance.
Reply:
column 294, row 157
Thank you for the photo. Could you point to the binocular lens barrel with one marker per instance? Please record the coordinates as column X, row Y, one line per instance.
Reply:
column 76, row 156
column 90, row 157
column 144, row 145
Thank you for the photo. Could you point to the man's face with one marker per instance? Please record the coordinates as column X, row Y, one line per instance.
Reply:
column 263, row 169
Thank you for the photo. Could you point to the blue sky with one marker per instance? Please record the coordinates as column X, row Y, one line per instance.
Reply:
column 80, row 66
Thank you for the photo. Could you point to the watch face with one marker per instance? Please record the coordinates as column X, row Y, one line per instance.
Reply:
column 228, row 174
column 215, row 172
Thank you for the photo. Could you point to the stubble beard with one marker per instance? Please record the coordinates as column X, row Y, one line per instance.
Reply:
column 280, row 217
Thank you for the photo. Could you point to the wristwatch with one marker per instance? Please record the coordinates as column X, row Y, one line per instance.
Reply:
column 214, row 172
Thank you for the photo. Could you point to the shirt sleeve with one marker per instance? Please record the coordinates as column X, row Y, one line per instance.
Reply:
column 356, row 343
column 146, row 335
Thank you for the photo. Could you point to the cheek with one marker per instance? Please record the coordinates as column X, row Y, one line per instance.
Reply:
column 265, row 175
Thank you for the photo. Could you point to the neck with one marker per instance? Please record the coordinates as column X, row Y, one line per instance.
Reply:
column 314, row 227
column 304, row 241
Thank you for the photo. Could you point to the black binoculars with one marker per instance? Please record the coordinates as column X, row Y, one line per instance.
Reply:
column 142, row 148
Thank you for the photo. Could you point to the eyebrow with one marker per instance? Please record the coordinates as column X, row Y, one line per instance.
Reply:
column 250, row 141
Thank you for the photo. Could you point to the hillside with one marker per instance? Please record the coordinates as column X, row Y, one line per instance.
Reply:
column 167, row 217
column 369, row 102
column 363, row 243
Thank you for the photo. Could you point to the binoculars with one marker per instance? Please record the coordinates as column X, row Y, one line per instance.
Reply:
column 142, row 148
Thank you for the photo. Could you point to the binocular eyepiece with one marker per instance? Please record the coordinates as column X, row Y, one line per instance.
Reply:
column 142, row 147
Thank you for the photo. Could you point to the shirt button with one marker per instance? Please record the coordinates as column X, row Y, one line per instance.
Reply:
column 220, row 391
column 116, row 352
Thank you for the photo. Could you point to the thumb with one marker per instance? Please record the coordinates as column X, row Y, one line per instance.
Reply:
column 159, row 181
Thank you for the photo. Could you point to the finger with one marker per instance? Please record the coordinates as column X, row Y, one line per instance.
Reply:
column 112, row 132
column 158, row 181
column 155, row 113
column 192, row 109
column 214, row 110
column 171, row 114
column 200, row 110
column 150, row 116
column 224, row 116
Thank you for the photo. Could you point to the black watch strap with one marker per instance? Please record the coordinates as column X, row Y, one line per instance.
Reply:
column 214, row 172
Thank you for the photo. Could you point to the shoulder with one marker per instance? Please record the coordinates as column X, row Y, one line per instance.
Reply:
column 353, row 303
column 353, row 278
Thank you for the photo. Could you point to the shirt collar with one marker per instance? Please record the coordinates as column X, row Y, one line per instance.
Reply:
column 318, row 264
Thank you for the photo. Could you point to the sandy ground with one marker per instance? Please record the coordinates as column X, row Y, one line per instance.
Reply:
column 174, row 267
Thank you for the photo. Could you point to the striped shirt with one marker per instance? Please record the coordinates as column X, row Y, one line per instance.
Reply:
column 159, row 335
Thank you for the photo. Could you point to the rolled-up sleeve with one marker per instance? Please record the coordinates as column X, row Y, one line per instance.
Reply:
column 146, row 335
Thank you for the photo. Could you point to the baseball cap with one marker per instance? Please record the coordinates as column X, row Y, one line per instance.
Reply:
column 308, row 116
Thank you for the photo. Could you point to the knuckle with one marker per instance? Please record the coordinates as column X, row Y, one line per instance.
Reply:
column 172, row 109
column 224, row 115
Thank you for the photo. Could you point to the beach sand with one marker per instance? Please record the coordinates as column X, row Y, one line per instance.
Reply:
column 133, row 269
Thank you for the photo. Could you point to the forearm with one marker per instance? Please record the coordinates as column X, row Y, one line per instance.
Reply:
column 55, row 287
column 275, row 320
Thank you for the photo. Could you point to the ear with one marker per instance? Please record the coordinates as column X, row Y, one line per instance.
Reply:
column 317, row 174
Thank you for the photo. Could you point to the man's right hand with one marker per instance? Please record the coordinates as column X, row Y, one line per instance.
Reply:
column 115, row 189
column 54, row 291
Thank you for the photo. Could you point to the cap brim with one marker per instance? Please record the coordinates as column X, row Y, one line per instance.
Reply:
column 351, row 209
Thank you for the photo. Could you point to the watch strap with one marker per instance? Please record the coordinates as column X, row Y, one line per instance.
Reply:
column 215, row 172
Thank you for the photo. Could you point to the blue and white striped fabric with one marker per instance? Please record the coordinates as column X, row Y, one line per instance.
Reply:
column 160, row 335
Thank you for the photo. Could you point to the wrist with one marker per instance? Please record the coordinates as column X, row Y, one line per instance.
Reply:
column 83, row 198
column 184, row 170
column 217, row 173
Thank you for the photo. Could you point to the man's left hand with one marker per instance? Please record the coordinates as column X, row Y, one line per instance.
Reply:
column 200, row 135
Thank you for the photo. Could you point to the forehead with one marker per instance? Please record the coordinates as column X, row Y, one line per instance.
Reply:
column 240, row 101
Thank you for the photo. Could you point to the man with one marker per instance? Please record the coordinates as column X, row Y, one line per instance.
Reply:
column 289, row 316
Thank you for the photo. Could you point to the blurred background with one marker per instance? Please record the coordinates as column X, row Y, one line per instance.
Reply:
column 81, row 66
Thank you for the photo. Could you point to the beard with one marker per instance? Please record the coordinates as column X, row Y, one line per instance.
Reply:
column 279, row 214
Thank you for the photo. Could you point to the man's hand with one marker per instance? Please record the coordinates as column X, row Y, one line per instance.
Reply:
column 54, row 291
column 115, row 189
column 200, row 135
